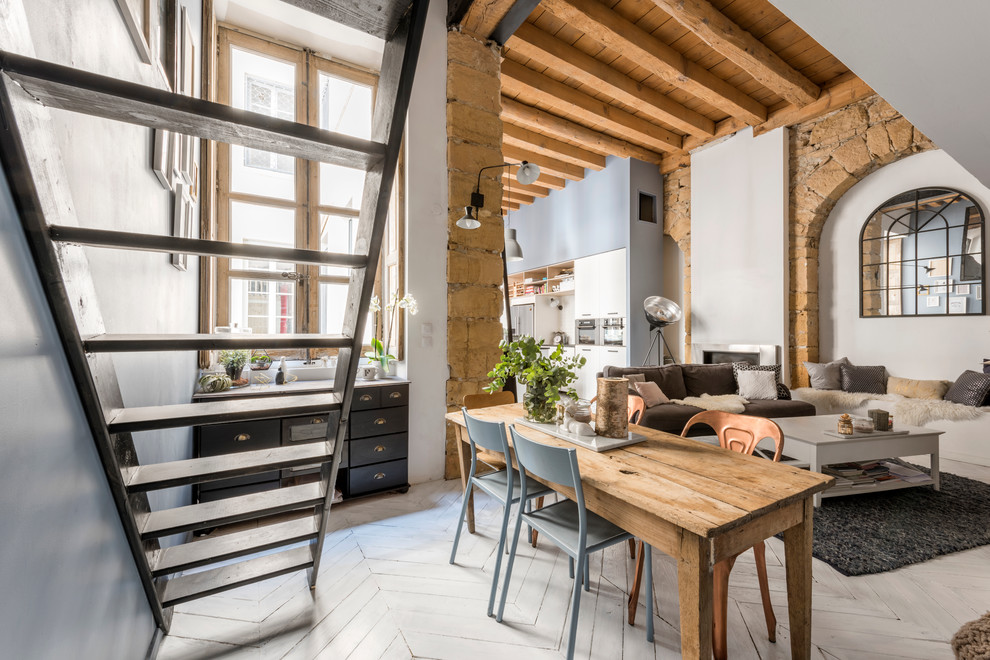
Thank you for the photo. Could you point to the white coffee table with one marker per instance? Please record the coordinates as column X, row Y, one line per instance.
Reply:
column 806, row 441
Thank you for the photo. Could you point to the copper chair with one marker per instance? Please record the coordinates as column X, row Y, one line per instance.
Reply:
column 741, row 433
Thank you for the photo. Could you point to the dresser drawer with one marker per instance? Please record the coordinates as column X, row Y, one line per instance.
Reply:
column 218, row 439
column 394, row 395
column 376, row 477
column 378, row 450
column 366, row 398
column 310, row 428
column 383, row 421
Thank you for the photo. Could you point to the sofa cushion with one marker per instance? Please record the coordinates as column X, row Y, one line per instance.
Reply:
column 711, row 379
column 970, row 389
column 635, row 378
column 918, row 389
column 669, row 418
column 738, row 367
column 826, row 375
column 780, row 408
column 651, row 394
column 870, row 380
column 759, row 385
column 669, row 378
column 783, row 393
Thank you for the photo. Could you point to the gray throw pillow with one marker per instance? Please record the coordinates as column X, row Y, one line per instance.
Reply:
column 869, row 380
column 738, row 367
column 970, row 389
column 826, row 375
column 757, row 385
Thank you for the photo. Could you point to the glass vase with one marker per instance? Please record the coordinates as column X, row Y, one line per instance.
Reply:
column 539, row 407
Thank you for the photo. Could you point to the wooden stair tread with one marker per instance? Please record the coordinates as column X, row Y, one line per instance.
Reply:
column 126, row 420
column 197, row 585
column 229, row 510
column 196, row 470
column 126, row 240
column 211, row 550
column 68, row 88
column 109, row 343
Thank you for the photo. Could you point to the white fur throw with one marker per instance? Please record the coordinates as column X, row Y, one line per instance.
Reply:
column 731, row 403
column 910, row 412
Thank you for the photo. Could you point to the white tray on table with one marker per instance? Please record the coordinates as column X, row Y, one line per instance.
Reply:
column 595, row 443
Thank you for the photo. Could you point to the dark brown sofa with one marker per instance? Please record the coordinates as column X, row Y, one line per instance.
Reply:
column 682, row 380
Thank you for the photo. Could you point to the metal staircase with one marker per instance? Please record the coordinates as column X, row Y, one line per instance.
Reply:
column 32, row 164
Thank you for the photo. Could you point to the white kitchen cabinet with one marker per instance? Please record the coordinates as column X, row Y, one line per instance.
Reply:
column 586, row 288
column 616, row 356
column 586, row 383
column 612, row 285
column 600, row 288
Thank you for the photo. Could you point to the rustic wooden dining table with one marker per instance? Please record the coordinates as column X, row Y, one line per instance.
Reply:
column 699, row 504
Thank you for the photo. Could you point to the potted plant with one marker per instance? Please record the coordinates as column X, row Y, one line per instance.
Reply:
column 260, row 361
column 233, row 362
column 380, row 348
column 544, row 376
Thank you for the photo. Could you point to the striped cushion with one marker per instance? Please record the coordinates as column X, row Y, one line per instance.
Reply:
column 869, row 380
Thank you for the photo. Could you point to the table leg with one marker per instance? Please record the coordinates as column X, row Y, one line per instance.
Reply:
column 694, row 586
column 814, row 466
column 464, row 458
column 936, row 477
column 797, row 557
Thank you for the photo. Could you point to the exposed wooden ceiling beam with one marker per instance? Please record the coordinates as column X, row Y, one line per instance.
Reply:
column 529, row 116
column 516, row 196
column 553, row 166
column 610, row 29
column 513, row 18
column 532, row 42
column 483, row 15
column 742, row 48
column 535, row 189
column 524, row 138
column 517, row 78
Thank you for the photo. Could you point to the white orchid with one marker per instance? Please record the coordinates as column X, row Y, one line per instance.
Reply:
column 376, row 304
column 381, row 348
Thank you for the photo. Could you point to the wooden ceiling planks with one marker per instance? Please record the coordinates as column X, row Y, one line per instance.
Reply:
column 652, row 79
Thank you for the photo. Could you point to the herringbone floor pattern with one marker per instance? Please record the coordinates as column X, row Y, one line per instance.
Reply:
column 387, row 591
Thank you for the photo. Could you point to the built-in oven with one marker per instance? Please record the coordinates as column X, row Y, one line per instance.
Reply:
column 586, row 331
column 613, row 331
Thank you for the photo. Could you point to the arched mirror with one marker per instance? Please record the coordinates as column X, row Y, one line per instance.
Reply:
column 922, row 254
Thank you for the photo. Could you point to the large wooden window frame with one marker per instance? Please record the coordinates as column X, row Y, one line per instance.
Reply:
column 306, row 205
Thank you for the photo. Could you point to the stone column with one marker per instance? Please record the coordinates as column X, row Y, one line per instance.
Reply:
column 677, row 225
column 474, row 262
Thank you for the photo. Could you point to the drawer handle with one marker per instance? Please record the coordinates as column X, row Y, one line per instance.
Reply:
column 316, row 420
column 366, row 397
column 241, row 437
column 380, row 475
column 380, row 421
column 395, row 395
column 380, row 448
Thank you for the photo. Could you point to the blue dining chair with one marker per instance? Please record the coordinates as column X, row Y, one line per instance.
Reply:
column 567, row 523
column 503, row 485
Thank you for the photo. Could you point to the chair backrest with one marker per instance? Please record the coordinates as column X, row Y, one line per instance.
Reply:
column 485, row 400
column 740, row 432
column 636, row 408
column 556, row 464
column 487, row 435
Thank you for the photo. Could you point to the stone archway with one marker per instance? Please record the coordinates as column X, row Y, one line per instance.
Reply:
column 828, row 156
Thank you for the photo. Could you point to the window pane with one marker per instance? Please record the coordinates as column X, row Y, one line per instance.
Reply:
column 345, row 106
column 267, row 86
column 341, row 186
column 333, row 298
column 265, row 306
column 336, row 235
column 262, row 225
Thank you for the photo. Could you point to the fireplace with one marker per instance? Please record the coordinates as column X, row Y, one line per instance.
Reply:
column 751, row 353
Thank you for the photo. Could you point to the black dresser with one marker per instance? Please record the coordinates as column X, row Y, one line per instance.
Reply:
column 375, row 457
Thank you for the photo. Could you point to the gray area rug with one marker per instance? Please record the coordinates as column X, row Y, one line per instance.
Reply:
column 877, row 532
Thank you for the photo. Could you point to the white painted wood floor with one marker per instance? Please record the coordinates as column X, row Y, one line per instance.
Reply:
column 386, row 591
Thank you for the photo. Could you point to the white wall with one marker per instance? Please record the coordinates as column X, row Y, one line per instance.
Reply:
column 739, row 241
column 936, row 347
column 426, row 252
column 673, row 289
column 939, row 86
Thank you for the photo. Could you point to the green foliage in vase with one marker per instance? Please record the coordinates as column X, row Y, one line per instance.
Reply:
column 545, row 376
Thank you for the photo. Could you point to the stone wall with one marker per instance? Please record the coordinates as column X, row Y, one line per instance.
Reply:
column 474, row 263
column 828, row 156
column 677, row 225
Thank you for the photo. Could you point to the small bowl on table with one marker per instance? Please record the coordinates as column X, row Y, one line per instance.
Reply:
column 863, row 425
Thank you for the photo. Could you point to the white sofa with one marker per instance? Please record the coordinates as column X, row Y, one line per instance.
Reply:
column 967, row 440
